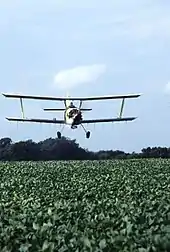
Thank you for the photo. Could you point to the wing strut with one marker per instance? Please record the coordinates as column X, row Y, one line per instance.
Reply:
column 122, row 107
column 80, row 104
column 22, row 108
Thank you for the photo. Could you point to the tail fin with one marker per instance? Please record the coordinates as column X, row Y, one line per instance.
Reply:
column 68, row 101
column 67, row 94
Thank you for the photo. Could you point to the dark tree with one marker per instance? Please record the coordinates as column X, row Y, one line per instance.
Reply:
column 67, row 149
column 25, row 150
column 5, row 148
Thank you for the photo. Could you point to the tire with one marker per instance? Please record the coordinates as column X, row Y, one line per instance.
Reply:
column 59, row 134
column 88, row 134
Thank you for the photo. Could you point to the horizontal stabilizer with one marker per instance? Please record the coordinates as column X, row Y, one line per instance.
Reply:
column 86, row 109
column 63, row 109
column 54, row 109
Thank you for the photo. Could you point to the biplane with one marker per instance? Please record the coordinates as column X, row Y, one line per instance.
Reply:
column 72, row 114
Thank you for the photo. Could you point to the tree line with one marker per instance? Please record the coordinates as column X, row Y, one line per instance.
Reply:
column 66, row 149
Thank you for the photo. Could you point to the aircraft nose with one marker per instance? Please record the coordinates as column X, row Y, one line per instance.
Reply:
column 78, row 117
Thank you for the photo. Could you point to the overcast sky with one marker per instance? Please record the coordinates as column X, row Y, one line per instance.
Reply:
column 88, row 47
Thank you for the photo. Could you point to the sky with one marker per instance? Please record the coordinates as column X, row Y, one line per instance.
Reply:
column 86, row 48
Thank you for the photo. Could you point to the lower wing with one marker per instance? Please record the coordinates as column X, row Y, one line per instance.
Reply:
column 109, row 120
column 55, row 121
column 36, row 120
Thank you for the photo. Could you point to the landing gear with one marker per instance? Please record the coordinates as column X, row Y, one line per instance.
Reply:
column 59, row 134
column 88, row 134
column 73, row 127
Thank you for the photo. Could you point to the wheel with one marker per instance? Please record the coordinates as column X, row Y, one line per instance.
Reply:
column 87, row 134
column 59, row 134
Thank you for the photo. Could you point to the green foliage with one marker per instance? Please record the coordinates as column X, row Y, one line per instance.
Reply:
column 66, row 149
column 85, row 206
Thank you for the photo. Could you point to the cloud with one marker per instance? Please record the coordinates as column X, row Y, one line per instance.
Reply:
column 79, row 75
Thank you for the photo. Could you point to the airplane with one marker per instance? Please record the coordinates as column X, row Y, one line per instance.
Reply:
column 72, row 114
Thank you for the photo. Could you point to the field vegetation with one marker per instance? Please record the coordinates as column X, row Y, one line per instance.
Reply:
column 118, row 205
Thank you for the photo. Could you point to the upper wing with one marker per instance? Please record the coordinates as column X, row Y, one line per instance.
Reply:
column 35, row 97
column 36, row 120
column 92, row 98
column 109, row 120
column 107, row 97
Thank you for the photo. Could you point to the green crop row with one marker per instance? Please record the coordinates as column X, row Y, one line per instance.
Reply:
column 85, row 206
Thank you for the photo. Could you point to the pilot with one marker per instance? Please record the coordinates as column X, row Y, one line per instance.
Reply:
column 71, row 105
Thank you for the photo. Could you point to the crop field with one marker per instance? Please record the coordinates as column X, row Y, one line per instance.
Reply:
column 85, row 206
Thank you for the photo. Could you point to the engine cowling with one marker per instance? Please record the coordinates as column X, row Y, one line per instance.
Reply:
column 78, row 118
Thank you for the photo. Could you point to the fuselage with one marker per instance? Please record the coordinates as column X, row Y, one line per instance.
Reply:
column 72, row 115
